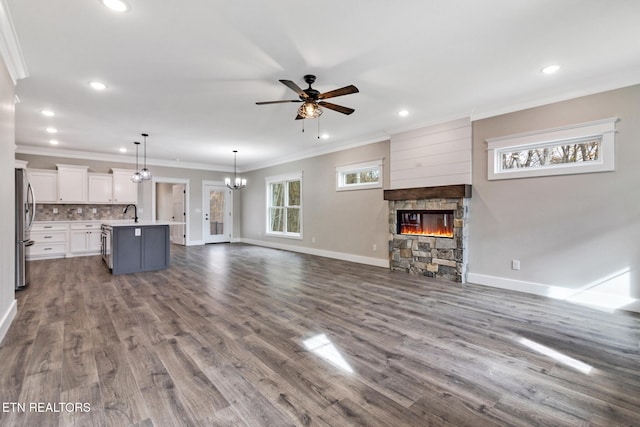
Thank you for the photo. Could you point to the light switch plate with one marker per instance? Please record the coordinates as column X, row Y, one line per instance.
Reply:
column 138, row 232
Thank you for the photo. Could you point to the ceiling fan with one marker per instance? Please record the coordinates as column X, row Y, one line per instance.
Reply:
column 313, row 100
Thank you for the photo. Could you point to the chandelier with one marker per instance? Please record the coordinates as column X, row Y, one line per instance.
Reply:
column 136, row 177
column 238, row 183
column 145, row 173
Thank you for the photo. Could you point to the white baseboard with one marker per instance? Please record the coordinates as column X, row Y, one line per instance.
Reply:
column 377, row 262
column 577, row 296
column 195, row 243
column 7, row 318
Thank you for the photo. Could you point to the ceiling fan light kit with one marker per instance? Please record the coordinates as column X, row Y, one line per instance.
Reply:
column 309, row 110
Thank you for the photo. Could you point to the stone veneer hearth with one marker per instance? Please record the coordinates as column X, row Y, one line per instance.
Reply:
column 438, row 257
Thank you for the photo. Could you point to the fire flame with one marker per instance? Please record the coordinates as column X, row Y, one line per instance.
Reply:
column 436, row 232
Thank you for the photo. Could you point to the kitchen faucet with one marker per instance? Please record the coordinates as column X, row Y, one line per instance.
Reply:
column 135, row 212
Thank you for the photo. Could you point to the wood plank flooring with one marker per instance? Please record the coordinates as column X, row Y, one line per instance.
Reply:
column 239, row 335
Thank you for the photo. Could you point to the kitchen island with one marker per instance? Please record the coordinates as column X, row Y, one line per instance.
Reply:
column 132, row 247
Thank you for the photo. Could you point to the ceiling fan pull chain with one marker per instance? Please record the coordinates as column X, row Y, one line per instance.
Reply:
column 303, row 125
column 318, row 127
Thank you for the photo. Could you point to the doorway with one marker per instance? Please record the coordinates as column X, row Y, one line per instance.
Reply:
column 170, row 203
column 217, row 214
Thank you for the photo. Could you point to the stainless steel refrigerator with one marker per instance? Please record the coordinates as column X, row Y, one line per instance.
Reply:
column 25, row 214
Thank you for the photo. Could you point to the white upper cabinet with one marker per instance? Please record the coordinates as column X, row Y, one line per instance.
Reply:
column 45, row 185
column 72, row 183
column 124, row 190
column 100, row 188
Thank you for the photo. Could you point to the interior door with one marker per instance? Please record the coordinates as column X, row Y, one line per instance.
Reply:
column 217, row 214
column 178, row 231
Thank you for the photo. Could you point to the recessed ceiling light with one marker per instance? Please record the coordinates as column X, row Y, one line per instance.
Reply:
column 116, row 5
column 550, row 69
column 54, row 142
column 123, row 150
column 324, row 136
column 52, row 130
column 98, row 85
column 403, row 113
column 48, row 113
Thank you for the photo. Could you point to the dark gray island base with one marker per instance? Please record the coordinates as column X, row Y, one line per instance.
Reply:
column 139, row 247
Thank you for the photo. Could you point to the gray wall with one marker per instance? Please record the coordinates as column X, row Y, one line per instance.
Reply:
column 194, row 176
column 568, row 231
column 7, row 194
column 345, row 222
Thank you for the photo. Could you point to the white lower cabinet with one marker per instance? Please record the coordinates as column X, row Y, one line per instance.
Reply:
column 50, row 241
column 84, row 238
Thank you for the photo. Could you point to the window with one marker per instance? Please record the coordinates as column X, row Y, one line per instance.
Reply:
column 581, row 148
column 284, row 205
column 359, row 176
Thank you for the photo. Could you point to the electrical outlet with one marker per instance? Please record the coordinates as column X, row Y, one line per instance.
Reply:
column 79, row 210
column 55, row 210
column 375, row 247
column 94, row 210
column 515, row 264
column 313, row 240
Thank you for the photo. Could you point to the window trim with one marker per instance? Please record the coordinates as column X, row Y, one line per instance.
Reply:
column 284, row 178
column 342, row 171
column 604, row 130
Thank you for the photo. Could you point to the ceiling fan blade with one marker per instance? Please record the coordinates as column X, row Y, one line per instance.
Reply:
column 277, row 102
column 339, row 92
column 338, row 108
column 299, row 117
column 294, row 87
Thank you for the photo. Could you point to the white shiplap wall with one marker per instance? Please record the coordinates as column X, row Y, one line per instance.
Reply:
column 432, row 156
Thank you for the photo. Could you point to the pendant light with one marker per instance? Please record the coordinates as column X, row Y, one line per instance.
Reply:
column 145, row 173
column 136, row 177
column 238, row 183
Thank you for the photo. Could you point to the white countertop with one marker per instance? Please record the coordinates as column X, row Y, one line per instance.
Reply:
column 140, row 223
column 112, row 222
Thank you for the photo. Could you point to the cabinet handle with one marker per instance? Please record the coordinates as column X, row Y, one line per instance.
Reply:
column 47, row 237
column 48, row 226
column 48, row 249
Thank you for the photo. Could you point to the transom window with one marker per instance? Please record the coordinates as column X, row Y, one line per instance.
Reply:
column 581, row 148
column 284, row 205
column 359, row 176
column 551, row 155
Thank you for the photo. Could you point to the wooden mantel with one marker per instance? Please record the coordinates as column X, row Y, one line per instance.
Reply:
column 440, row 192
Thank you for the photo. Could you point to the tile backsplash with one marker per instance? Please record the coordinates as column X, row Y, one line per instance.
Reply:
column 45, row 212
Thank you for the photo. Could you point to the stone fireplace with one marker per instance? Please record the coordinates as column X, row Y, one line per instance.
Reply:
column 428, row 231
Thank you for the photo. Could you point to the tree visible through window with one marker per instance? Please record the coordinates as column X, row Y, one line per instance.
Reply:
column 575, row 152
column 359, row 176
column 571, row 149
column 285, row 206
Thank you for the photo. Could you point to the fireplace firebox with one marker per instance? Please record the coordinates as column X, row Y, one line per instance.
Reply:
column 425, row 223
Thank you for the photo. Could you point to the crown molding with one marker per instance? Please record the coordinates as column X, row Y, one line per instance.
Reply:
column 87, row 155
column 10, row 47
column 315, row 152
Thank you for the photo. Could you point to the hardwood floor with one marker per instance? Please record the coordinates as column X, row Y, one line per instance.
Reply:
column 239, row 335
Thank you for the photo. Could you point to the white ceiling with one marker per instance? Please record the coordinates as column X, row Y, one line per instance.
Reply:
column 189, row 72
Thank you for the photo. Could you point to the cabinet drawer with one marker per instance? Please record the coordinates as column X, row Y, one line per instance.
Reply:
column 86, row 227
column 49, row 236
column 48, row 227
column 47, row 249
